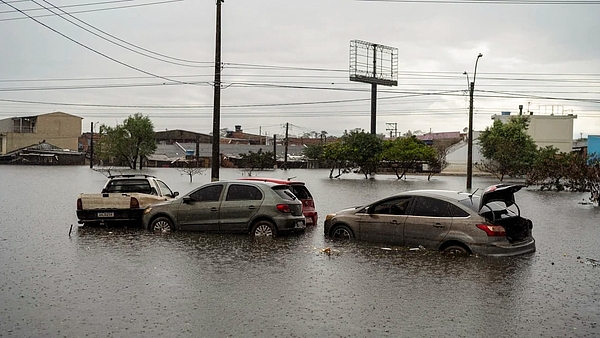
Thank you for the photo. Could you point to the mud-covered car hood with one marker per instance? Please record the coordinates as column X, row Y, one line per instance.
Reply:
column 500, row 193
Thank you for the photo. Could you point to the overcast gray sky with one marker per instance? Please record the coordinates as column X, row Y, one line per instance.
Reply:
column 287, row 62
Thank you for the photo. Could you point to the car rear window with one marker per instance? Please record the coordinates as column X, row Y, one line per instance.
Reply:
column 128, row 185
column 284, row 192
column 301, row 192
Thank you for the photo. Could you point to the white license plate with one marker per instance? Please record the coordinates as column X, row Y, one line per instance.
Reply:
column 106, row 214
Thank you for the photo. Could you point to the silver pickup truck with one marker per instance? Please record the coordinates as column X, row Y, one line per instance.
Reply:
column 123, row 199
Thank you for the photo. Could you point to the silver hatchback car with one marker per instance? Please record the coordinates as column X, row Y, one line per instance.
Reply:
column 448, row 221
column 258, row 208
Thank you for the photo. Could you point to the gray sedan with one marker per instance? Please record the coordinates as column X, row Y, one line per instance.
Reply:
column 448, row 221
column 258, row 208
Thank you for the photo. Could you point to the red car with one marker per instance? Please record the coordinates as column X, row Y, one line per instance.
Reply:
column 299, row 189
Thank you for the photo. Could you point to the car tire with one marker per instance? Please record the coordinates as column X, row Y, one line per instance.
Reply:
column 342, row 232
column 263, row 229
column 456, row 250
column 161, row 224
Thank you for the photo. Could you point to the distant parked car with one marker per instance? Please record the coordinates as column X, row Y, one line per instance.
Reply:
column 448, row 221
column 301, row 191
column 258, row 208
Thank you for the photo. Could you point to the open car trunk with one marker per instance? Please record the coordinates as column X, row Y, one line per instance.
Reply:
column 498, row 206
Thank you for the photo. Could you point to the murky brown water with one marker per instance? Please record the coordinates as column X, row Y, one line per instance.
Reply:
column 116, row 282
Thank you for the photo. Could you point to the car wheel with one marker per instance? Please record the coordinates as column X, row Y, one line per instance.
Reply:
column 341, row 232
column 456, row 250
column 161, row 224
column 263, row 229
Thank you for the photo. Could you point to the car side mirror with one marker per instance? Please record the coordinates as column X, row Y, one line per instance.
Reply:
column 176, row 193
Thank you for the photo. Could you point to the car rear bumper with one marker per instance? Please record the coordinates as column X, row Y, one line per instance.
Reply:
column 291, row 224
column 109, row 215
column 506, row 249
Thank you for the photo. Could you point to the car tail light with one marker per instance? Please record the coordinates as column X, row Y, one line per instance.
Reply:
column 134, row 203
column 79, row 204
column 284, row 208
column 309, row 203
column 492, row 230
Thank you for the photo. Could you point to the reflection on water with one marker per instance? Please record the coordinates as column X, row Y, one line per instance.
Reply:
column 126, row 281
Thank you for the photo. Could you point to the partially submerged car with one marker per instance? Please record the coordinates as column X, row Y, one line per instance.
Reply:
column 301, row 191
column 123, row 199
column 257, row 208
column 449, row 221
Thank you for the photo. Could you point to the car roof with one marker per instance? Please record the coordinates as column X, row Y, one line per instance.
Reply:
column 263, row 183
column 448, row 194
column 272, row 180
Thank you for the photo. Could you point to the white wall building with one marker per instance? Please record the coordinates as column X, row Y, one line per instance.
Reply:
column 547, row 130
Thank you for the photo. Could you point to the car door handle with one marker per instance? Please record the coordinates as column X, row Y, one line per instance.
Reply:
column 394, row 222
column 439, row 225
column 251, row 207
column 214, row 209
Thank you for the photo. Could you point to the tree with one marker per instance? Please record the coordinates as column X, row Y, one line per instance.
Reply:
column 313, row 151
column 253, row 161
column 190, row 169
column 507, row 148
column 335, row 156
column 405, row 153
column 130, row 142
column 364, row 150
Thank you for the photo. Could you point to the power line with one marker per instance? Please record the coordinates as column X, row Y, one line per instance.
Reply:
column 91, row 49
column 206, row 64
column 87, row 11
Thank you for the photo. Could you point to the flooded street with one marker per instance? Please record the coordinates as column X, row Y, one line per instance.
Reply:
column 119, row 282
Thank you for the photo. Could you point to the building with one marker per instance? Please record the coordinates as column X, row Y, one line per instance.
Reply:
column 60, row 129
column 547, row 130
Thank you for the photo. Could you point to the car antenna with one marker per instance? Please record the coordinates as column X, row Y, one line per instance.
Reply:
column 291, row 178
column 471, row 195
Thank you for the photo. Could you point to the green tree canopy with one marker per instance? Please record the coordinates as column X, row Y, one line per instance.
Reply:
column 405, row 153
column 507, row 148
column 363, row 149
column 130, row 142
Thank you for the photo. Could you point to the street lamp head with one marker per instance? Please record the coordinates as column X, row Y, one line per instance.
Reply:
column 480, row 55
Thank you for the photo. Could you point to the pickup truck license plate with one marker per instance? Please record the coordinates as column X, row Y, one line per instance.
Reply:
column 106, row 214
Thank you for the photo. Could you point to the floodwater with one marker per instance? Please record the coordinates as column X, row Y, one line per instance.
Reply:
column 119, row 282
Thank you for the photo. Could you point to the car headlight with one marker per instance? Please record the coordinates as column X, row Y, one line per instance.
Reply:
column 147, row 210
column 329, row 216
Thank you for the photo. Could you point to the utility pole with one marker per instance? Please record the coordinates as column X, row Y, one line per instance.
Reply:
column 470, row 133
column 92, row 146
column 275, row 149
column 216, row 137
column 374, row 94
column 286, row 143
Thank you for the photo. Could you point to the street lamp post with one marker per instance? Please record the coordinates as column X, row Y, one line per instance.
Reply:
column 470, row 132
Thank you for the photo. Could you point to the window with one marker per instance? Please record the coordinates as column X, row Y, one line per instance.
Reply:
column 164, row 188
column 207, row 194
column 123, row 186
column 300, row 191
column 285, row 193
column 238, row 192
column 395, row 206
column 432, row 207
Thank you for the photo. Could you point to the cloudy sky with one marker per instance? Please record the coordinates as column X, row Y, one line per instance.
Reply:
column 288, row 62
